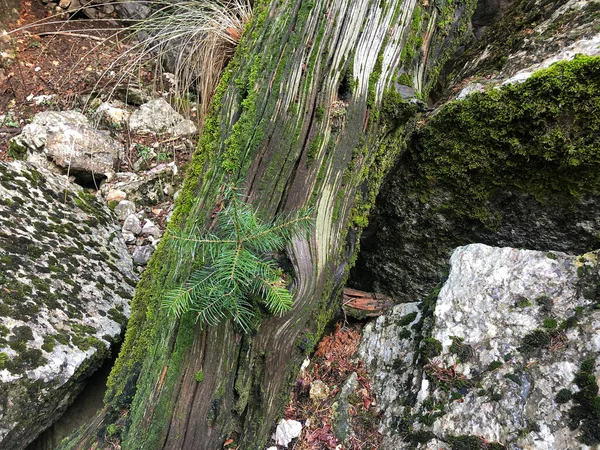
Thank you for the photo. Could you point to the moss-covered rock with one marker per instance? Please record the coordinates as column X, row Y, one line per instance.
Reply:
column 65, row 286
column 516, row 166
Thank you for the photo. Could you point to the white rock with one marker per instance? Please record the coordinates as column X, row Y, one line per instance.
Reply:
column 286, row 431
column 142, row 253
column 124, row 208
column 150, row 229
column 65, row 142
column 157, row 116
column 89, row 272
column 132, row 224
column 129, row 237
column 111, row 115
column 115, row 196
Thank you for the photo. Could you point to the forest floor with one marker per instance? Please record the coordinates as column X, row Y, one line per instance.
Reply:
column 333, row 364
column 53, row 61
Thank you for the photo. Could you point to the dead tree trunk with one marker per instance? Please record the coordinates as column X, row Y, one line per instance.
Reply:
column 306, row 114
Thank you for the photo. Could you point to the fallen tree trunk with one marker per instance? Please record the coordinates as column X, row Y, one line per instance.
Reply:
column 305, row 115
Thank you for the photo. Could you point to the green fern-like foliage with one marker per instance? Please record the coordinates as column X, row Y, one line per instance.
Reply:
column 238, row 264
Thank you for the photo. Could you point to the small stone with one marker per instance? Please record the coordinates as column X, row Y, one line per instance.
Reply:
column 124, row 209
column 318, row 391
column 129, row 237
column 132, row 224
column 168, row 190
column 64, row 4
column 115, row 196
column 112, row 115
column 286, row 431
column 149, row 229
column 141, row 254
column 341, row 417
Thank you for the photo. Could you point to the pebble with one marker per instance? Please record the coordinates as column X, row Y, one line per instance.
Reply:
column 142, row 253
column 114, row 195
column 149, row 229
column 124, row 208
column 132, row 224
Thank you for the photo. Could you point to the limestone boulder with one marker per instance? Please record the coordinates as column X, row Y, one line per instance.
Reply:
column 66, row 143
column 66, row 280
column 509, row 354
column 145, row 189
column 157, row 116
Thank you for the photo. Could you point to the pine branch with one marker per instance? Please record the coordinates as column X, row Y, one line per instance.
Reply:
column 235, row 266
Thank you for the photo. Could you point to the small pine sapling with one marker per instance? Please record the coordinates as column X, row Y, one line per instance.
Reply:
column 238, row 263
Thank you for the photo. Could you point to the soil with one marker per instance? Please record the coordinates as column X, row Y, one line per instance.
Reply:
column 333, row 363
column 60, row 61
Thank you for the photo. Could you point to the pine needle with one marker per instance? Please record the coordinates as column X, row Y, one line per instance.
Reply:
column 238, row 265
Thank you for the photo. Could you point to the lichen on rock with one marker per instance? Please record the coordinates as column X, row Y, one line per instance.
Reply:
column 502, row 361
column 66, row 279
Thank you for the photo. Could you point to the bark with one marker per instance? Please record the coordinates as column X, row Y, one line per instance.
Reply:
column 304, row 115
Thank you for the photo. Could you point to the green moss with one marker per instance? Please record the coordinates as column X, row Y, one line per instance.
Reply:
column 496, row 396
column 563, row 396
column 62, row 338
column 537, row 339
column 523, row 303
column 429, row 348
column 466, row 442
column 199, row 376
column 494, row 365
column 464, row 351
column 49, row 343
column 514, row 378
column 551, row 255
column 407, row 319
column 585, row 413
column 536, row 137
column 545, row 302
column 550, row 323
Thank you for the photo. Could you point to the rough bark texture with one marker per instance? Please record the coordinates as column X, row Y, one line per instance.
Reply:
column 303, row 116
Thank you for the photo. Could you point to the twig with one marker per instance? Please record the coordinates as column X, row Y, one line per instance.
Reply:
column 67, row 33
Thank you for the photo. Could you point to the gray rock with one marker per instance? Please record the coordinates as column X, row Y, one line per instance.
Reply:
column 129, row 237
column 142, row 253
column 124, row 208
column 134, row 10
column 157, row 116
column 132, row 225
column 387, row 349
column 341, row 407
column 66, row 143
column 409, row 269
column 66, row 279
column 512, row 328
column 112, row 115
column 135, row 95
column 150, row 229
column 547, row 41
column 147, row 188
